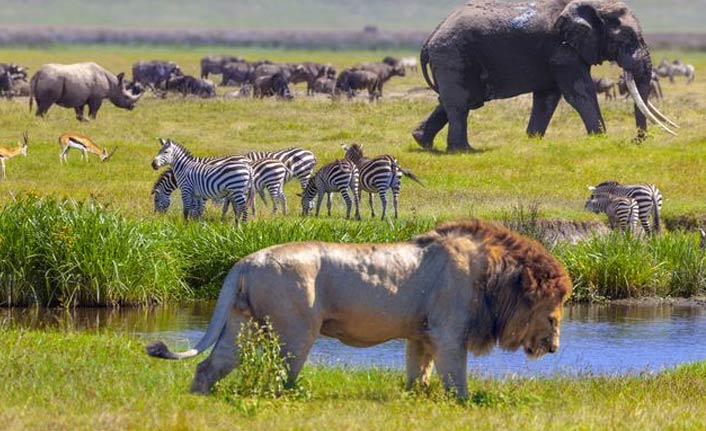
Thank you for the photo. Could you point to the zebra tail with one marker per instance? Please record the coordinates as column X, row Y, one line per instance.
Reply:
column 410, row 175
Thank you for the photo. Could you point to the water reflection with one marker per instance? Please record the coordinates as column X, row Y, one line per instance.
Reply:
column 604, row 339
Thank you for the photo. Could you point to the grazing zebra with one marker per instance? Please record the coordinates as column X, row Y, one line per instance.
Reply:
column 648, row 197
column 377, row 175
column 337, row 176
column 162, row 190
column 230, row 178
column 621, row 210
column 300, row 161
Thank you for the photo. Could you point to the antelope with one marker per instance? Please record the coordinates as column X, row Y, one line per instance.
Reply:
column 8, row 153
column 84, row 144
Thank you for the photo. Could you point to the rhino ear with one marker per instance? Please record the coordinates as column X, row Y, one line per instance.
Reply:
column 120, row 77
column 591, row 188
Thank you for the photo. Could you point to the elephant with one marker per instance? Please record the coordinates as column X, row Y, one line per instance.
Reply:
column 80, row 84
column 487, row 50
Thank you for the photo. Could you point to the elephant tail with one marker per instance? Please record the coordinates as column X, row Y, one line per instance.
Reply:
column 424, row 62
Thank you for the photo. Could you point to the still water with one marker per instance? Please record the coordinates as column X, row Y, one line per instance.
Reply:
column 596, row 339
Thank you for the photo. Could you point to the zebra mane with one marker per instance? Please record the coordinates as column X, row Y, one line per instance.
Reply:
column 608, row 183
column 182, row 148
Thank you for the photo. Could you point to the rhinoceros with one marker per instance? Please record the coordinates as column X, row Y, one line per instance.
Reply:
column 78, row 85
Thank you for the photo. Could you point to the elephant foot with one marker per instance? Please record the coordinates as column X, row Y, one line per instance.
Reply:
column 465, row 148
column 418, row 136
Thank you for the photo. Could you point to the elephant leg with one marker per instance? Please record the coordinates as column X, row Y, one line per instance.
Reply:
column 223, row 358
column 577, row 88
column 543, row 107
column 426, row 130
column 460, row 89
column 419, row 362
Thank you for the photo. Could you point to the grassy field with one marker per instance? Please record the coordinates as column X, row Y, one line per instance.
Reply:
column 512, row 168
column 71, row 381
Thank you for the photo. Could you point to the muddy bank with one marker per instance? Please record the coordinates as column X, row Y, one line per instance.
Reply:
column 371, row 38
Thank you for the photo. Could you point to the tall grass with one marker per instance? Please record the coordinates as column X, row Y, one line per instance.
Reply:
column 623, row 266
column 66, row 253
column 59, row 252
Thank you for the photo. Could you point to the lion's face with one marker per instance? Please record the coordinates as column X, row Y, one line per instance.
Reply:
column 543, row 329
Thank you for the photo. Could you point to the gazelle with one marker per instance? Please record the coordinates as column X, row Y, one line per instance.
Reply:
column 8, row 153
column 84, row 144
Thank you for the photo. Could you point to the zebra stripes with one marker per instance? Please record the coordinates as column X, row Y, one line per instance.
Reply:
column 622, row 211
column 338, row 176
column 377, row 175
column 162, row 190
column 300, row 161
column 230, row 178
column 648, row 197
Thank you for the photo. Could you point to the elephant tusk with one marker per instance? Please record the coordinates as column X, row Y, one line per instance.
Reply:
column 661, row 116
column 632, row 88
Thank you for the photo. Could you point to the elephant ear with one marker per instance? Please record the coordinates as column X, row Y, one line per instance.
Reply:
column 580, row 26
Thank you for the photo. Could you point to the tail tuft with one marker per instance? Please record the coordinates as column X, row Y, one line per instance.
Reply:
column 160, row 350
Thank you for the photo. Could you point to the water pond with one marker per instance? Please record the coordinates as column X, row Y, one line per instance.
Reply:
column 596, row 339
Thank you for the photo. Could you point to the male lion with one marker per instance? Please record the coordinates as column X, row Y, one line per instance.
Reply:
column 463, row 286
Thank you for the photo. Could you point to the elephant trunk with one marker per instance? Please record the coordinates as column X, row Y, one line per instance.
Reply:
column 638, row 76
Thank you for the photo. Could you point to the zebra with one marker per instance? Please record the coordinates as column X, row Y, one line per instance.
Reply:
column 622, row 211
column 231, row 178
column 377, row 175
column 166, row 184
column 337, row 176
column 648, row 197
column 300, row 161
column 270, row 174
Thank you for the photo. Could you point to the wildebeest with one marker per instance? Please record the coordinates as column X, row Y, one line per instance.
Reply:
column 605, row 86
column 272, row 85
column 266, row 69
column 215, row 64
column 15, row 70
column 325, row 85
column 155, row 73
column 77, row 85
column 409, row 63
column 237, row 73
column 351, row 80
column 188, row 84
column 675, row 68
column 384, row 72
column 309, row 72
column 391, row 61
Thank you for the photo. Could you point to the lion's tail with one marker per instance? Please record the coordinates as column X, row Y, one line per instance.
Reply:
column 226, row 300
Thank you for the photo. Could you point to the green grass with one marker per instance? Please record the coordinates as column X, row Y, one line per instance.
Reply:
column 77, row 381
column 553, row 171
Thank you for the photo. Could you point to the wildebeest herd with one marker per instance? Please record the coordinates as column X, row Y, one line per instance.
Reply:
column 665, row 69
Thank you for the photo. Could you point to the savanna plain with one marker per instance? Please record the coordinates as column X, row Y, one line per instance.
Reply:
column 85, row 234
